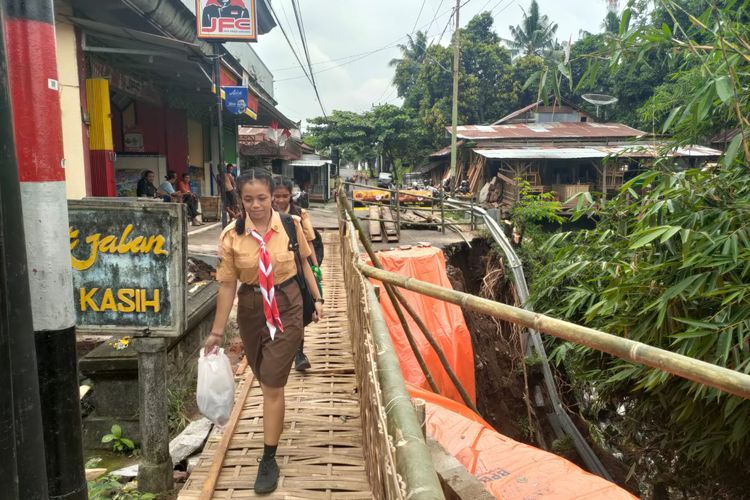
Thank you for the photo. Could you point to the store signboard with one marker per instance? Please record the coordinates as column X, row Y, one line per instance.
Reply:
column 128, row 260
column 226, row 20
column 235, row 99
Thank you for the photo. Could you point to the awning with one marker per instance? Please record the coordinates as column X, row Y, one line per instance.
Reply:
column 309, row 163
column 593, row 152
column 540, row 153
column 143, row 40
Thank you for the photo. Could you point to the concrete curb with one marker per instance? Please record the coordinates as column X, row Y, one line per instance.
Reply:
column 204, row 228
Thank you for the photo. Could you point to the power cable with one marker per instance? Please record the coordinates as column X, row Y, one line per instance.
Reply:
column 418, row 16
column 278, row 21
column 289, row 23
column 356, row 57
column 361, row 56
column 300, row 26
column 435, row 16
column 413, row 30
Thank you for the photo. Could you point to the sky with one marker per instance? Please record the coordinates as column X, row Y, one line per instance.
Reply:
column 352, row 41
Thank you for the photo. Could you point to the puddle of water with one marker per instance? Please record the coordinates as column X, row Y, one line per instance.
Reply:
column 109, row 460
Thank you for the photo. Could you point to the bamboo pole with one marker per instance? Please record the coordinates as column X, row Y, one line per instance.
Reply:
column 441, row 355
column 730, row 381
column 442, row 209
column 396, row 298
column 389, row 290
column 413, row 460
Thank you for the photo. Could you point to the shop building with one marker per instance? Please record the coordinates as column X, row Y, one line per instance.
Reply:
column 137, row 93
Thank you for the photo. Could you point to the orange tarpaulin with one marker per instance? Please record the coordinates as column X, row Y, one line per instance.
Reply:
column 508, row 469
column 445, row 321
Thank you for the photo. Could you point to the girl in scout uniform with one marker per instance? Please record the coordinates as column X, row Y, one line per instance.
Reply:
column 255, row 250
column 282, row 201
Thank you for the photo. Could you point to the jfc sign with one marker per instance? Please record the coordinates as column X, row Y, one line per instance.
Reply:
column 226, row 19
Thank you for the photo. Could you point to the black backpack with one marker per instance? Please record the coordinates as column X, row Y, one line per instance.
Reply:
column 318, row 247
column 308, row 304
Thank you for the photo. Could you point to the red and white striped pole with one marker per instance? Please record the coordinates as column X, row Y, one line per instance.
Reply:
column 32, row 76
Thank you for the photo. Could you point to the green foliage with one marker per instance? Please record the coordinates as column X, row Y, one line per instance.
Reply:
column 120, row 444
column 534, row 207
column 668, row 263
column 177, row 415
column 107, row 487
column 669, row 267
column 535, row 35
column 491, row 85
column 408, row 66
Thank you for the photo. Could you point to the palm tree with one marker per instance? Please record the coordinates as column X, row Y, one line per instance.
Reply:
column 611, row 23
column 407, row 67
column 535, row 35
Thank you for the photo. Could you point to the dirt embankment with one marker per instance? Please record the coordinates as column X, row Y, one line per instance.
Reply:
column 502, row 374
column 497, row 360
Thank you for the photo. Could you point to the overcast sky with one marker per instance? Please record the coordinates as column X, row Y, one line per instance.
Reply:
column 352, row 41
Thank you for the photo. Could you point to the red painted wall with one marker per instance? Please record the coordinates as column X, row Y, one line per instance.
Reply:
column 164, row 133
column 176, row 140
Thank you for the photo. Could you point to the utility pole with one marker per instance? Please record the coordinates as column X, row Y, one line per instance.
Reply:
column 22, row 438
column 454, row 114
column 29, row 27
column 220, row 132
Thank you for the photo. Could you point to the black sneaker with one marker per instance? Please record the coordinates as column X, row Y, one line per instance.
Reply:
column 301, row 363
column 268, row 476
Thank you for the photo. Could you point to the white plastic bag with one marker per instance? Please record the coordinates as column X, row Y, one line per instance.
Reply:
column 215, row 393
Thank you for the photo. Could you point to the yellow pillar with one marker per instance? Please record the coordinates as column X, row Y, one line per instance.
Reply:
column 100, row 138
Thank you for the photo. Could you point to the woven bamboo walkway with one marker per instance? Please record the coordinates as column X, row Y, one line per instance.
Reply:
column 320, row 454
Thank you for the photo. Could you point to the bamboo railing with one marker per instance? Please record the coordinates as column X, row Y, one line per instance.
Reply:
column 724, row 379
column 398, row 460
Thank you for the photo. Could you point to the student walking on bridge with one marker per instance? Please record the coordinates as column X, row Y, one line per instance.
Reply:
column 283, row 202
column 258, row 249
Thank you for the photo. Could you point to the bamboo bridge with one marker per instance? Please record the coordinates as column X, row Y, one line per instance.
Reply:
column 351, row 428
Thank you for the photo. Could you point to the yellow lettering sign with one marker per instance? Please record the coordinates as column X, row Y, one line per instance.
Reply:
column 86, row 299
column 112, row 243
column 125, row 300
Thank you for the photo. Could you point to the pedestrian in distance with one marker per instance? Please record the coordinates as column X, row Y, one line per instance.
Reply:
column 230, row 192
column 267, row 252
column 168, row 187
column 146, row 187
column 189, row 198
column 283, row 202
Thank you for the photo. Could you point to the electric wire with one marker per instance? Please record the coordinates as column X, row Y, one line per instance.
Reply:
column 360, row 55
column 300, row 26
column 418, row 16
column 283, row 31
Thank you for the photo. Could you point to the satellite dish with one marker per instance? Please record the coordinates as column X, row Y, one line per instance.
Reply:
column 599, row 100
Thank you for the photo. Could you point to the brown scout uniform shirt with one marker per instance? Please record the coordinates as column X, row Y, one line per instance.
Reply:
column 238, row 254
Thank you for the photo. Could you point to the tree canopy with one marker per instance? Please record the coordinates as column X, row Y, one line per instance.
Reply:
column 535, row 35
column 668, row 262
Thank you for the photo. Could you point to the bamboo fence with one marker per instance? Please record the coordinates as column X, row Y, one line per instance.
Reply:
column 398, row 460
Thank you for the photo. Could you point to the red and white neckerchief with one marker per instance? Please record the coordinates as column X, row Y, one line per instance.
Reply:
column 265, row 281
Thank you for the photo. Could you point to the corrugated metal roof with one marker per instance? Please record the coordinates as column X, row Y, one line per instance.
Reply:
column 446, row 150
column 570, row 153
column 545, row 131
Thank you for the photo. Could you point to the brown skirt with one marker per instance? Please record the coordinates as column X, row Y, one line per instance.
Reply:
column 270, row 360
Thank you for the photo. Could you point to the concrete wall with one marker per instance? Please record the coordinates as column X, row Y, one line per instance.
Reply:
column 70, row 104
